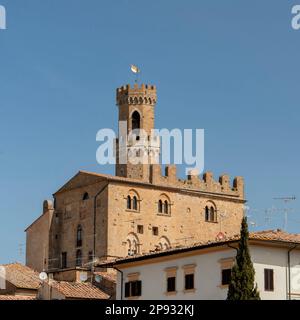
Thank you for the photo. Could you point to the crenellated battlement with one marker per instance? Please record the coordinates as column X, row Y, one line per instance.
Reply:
column 143, row 94
column 206, row 183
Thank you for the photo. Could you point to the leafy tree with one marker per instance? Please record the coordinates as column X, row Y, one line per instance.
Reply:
column 241, row 286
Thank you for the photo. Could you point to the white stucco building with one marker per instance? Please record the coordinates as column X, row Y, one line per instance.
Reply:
column 202, row 271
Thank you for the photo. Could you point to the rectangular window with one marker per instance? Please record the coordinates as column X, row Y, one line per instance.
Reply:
column 91, row 256
column 189, row 281
column 64, row 260
column 171, row 284
column 269, row 280
column 133, row 289
column 155, row 231
column 140, row 229
column 226, row 276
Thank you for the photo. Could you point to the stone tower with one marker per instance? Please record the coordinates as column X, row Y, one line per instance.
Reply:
column 137, row 147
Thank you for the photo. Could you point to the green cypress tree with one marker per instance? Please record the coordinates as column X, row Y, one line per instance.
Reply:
column 241, row 286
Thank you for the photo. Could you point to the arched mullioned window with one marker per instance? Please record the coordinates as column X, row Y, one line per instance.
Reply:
column 132, row 244
column 210, row 214
column 136, row 120
column 164, row 243
column 164, row 204
column 129, row 202
column 160, row 206
column 134, row 203
column 85, row 196
column 78, row 258
column 79, row 236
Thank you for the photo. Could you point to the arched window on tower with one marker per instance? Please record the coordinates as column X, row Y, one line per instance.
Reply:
column 78, row 258
column 136, row 120
column 79, row 236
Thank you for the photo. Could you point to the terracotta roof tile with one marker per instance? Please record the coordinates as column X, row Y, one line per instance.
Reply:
column 79, row 290
column 7, row 297
column 21, row 276
column 275, row 235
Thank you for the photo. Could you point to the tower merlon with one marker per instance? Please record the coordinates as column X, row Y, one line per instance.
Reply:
column 205, row 183
column 143, row 94
column 224, row 181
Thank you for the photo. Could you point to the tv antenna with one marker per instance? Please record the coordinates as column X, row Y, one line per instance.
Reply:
column 21, row 251
column 286, row 210
column 249, row 213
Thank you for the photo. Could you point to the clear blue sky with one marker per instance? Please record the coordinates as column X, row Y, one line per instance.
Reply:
column 230, row 67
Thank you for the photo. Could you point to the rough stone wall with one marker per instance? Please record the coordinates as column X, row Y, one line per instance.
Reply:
column 37, row 239
column 72, row 211
column 184, row 225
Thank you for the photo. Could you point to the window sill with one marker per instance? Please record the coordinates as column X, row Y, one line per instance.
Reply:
column 189, row 290
column 212, row 221
column 131, row 210
column 164, row 214
column 171, row 293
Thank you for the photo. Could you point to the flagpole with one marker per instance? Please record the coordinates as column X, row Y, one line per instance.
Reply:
column 135, row 70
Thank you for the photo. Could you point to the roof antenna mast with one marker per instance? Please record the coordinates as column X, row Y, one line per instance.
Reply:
column 286, row 210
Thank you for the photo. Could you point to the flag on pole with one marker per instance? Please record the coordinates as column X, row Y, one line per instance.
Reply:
column 135, row 69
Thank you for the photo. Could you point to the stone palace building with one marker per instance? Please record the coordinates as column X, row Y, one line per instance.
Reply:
column 136, row 211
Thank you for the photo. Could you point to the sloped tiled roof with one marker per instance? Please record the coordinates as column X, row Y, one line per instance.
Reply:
column 275, row 236
column 79, row 290
column 7, row 297
column 21, row 276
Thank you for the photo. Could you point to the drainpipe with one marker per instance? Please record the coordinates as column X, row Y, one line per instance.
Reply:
column 289, row 270
column 95, row 209
column 121, row 280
